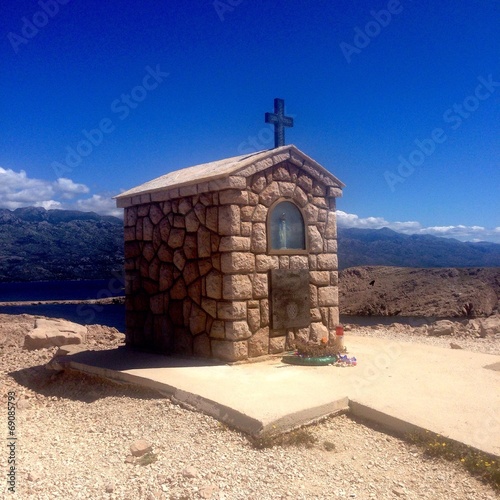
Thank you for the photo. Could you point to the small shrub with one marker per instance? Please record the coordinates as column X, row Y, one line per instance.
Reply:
column 148, row 458
column 329, row 446
column 264, row 442
column 222, row 427
column 299, row 437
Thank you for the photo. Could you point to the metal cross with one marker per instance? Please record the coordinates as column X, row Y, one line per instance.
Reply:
column 280, row 121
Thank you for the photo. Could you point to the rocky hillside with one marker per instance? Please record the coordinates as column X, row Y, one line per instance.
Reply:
column 384, row 247
column 393, row 291
column 38, row 244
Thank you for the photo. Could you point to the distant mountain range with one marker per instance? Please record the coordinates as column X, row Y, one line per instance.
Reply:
column 38, row 244
column 385, row 247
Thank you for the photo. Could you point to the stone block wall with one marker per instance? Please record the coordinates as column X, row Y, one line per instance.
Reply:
column 198, row 268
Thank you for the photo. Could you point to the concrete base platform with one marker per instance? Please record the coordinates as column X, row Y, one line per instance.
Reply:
column 403, row 386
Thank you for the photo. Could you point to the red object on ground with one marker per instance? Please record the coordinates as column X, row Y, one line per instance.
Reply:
column 339, row 331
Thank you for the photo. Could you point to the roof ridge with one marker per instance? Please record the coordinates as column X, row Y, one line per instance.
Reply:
column 242, row 166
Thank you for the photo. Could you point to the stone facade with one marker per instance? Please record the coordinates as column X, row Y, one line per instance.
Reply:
column 198, row 264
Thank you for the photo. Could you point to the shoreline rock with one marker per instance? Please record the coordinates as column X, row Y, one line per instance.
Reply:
column 106, row 301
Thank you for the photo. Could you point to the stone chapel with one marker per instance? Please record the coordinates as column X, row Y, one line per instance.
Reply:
column 232, row 259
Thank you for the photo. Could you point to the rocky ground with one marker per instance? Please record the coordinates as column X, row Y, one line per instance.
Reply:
column 427, row 292
column 479, row 334
column 75, row 432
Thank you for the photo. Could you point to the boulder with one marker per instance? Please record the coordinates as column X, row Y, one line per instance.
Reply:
column 474, row 324
column 489, row 326
column 140, row 447
column 54, row 333
column 442, row 327
column 190, row 472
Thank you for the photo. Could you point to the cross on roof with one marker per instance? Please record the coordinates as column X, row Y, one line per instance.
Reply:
column 280, row 121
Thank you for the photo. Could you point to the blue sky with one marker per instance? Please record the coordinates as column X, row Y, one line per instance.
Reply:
column 399, row 99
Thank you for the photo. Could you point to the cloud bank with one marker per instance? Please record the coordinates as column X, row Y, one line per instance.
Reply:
column 18, row 190
column 460, row 232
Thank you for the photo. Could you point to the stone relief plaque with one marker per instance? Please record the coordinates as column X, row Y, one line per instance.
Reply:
column 290, row 298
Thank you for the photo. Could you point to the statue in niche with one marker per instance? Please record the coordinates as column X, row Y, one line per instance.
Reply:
column 282, row 231
column 286, row 227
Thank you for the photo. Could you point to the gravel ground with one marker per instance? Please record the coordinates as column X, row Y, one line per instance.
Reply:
column 74, row 436
column 465, row 338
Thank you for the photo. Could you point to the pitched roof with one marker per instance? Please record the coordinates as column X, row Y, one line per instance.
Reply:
column 241, row 166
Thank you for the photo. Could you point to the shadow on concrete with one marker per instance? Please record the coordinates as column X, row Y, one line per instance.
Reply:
column 126, row 358
column 495, row 367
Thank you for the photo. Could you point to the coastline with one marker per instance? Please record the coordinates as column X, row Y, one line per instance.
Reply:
column 106, row 301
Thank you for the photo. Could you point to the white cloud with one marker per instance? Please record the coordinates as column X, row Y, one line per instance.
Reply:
column 48, row 204
column 101, row 204
column 11, row 179
column 460, row 231
column 406, row 226
column 18, row 190
column 352, row 220
column 68, row 188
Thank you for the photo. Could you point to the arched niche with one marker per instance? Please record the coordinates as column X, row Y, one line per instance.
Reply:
column 286, row 228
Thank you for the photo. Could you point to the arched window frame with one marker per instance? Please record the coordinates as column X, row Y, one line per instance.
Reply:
column 286, row 251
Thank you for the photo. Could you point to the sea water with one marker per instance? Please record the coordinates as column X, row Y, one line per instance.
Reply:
column 85, row 314
column 61, row 290
column 114, row 314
